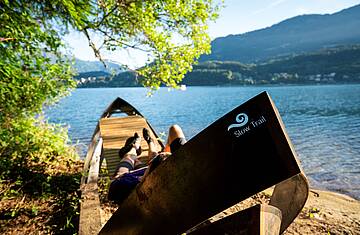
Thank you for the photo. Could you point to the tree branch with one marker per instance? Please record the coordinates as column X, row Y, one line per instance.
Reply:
column 121, row 42
column 97, row 25
column 92, row 45
column 7, row 39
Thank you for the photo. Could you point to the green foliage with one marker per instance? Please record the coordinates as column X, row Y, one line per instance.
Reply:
column 37, row 166
column 32, row 143
column 173, row 34
column 35, row 73
column 29, row 79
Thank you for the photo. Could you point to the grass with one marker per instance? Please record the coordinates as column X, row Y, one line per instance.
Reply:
column 41, row 199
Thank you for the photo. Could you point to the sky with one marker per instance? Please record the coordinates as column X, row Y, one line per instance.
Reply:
column 237, row 16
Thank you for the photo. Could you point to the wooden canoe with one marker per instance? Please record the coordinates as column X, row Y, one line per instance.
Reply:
column 118, row 122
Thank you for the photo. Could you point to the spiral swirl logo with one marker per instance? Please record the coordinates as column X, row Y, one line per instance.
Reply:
column 241, row 119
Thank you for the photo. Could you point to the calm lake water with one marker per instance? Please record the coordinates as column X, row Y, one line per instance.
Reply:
column 323, row 122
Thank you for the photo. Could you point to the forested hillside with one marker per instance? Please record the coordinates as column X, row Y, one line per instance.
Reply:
column 335, row 65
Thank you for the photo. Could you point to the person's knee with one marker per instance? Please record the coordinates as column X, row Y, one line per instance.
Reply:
column 175, row 130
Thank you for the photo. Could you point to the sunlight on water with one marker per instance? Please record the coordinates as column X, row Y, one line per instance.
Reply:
column 322, row 121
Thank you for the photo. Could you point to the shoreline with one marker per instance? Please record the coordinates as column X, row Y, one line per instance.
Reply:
column 233, row 86
column 325, row 212
column 334, row 192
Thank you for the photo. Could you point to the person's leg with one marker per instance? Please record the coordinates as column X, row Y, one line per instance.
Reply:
column 121, row 187
column 176, row 138
column 128, row 155
column 152, row 152
column 125, row 166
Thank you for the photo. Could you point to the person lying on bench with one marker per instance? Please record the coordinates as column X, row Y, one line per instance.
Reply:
column 131, row 171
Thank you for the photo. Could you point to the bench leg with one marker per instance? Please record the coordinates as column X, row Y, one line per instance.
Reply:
column 290, row 197
column 257, row 220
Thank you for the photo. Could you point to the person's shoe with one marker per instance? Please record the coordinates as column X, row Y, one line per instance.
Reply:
column 137, row 143
column 131, row 142
column 124, row 150
column 146, row 135
column 137, row 140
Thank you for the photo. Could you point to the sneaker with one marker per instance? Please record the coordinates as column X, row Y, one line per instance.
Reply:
column 131, row 142
column 137, row 140
column 146, row 135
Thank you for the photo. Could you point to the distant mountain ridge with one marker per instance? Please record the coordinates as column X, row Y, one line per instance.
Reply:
column 83, row 66
column 292, row 36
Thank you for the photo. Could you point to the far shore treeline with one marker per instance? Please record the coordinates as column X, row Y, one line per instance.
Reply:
column 328, row 66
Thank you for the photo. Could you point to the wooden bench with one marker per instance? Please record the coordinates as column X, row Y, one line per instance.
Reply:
column 239, row 155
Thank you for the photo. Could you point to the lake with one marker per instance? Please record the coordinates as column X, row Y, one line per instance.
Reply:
column 323, row 122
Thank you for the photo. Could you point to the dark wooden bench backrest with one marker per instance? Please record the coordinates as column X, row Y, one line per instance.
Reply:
column 239, row 155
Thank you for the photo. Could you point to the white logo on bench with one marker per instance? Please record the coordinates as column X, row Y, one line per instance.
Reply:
column 241, row 119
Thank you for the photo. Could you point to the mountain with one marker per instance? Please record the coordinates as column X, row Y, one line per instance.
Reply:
column 295, row 35
column 83, row 66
